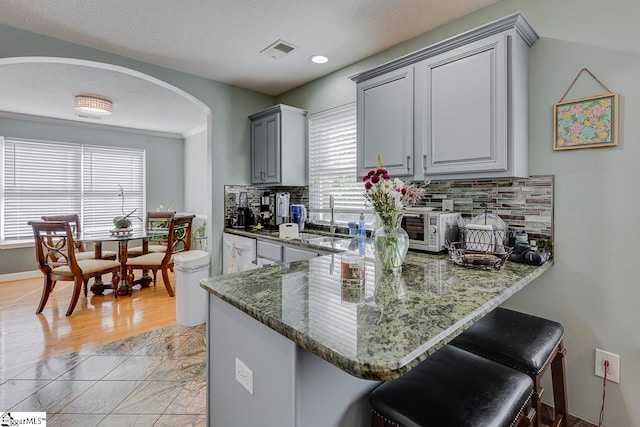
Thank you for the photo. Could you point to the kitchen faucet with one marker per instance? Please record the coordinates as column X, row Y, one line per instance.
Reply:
column 332, row 224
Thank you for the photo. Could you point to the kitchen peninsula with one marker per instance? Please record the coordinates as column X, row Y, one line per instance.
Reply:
column 315, row 351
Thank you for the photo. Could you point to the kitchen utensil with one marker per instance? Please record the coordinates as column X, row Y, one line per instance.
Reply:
column 288, row 230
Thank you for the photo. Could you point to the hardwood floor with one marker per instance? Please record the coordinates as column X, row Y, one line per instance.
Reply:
column 26, row 338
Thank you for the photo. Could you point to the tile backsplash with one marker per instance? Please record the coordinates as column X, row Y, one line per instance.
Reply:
column 525, row 204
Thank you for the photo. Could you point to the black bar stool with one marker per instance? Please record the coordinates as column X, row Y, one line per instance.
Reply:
column 454, row 388
column 527, row 343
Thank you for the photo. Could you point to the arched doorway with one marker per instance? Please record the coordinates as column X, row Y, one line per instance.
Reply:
column 148, row 79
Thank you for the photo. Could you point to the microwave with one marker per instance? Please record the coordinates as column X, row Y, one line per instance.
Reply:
column 428, row 229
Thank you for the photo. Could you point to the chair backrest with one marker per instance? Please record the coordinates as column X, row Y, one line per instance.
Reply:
column 181, row 232
column 74, row 223
column 159, row 221
column 53, row 240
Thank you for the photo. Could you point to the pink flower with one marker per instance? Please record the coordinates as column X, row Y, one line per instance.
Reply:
column 577, row 109
column 598, row 110
column 576, row 128
column 371, row 173
column 375, row 179
column 367, row 186
column 403, row 191
column 366, row 177
column 386, row 176
column 381, row 171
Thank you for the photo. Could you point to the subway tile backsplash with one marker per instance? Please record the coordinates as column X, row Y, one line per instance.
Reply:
column 525, row 204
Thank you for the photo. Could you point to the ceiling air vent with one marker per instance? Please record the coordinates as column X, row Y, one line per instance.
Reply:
column 278, row 50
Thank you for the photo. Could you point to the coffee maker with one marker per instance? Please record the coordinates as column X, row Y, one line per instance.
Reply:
column 282, row 208
column 274, row 209
column 242, row 217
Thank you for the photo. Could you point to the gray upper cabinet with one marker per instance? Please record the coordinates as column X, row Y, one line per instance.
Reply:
column 469, row 104
column 385, row 122
column 279, row 146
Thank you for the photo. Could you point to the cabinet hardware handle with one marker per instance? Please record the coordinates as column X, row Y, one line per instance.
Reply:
column 409, row 163
column 424, row 162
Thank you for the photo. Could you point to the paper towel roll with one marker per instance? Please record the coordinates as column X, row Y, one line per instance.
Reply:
column 480, row 237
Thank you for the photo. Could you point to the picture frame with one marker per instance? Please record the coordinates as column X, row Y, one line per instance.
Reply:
column 586, row 122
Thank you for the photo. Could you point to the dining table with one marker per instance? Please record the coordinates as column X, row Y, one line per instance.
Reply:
column 124, row 286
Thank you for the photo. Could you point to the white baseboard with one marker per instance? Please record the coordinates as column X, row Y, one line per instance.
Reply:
column 19, row 276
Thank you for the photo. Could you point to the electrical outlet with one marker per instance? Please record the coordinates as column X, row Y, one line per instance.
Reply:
column 613, row 373
column 244, row 376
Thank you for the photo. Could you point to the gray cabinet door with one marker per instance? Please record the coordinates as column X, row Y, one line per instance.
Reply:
column 385, row 122
column 258, row 150
column 265, row 150
column 461, row 109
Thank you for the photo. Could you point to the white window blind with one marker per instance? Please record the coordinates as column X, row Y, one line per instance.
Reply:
column 38, row 178
column 104, row 170
column 332, row 166
column 51, row 178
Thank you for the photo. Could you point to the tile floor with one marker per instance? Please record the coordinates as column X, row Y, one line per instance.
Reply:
column 153, row 379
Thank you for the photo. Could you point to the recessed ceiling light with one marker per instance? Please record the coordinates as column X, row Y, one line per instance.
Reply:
column 93, row 105
column 319, row 59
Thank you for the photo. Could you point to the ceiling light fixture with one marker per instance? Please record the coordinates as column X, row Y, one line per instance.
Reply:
column 93, row 105
column 319, row 59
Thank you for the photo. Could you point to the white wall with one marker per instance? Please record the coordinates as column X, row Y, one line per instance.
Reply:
column 195, row 173
column 593, row 288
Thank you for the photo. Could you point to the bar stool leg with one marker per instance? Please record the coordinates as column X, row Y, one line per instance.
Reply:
column 536, row 400
column 560, row 388
column 377, row 421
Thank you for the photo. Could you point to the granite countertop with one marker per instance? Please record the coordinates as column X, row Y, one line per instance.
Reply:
column 382, row 329
column 314, row 239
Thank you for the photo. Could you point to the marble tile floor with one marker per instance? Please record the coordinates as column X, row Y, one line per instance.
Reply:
column 153, row 379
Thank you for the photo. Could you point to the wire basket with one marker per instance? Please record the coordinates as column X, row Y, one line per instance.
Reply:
column 484, row 249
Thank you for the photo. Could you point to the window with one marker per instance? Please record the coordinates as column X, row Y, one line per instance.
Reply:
column 44, row 177
column 332, row 166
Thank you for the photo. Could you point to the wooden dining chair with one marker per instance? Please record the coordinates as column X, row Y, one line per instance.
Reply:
column 158, row 221
column 57, row 260
column 74, row 223
column 178, row 240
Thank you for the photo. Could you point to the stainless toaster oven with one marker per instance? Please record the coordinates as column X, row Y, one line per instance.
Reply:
column 428, row 229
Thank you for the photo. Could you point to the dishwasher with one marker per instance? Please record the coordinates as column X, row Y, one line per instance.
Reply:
column 238, row 253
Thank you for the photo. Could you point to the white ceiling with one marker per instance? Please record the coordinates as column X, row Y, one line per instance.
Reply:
column 216, row 39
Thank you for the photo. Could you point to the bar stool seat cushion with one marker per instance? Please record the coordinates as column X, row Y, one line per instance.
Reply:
column 515, row 339
column 454, row 388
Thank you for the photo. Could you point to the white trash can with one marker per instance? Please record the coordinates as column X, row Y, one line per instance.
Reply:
column 191, row 300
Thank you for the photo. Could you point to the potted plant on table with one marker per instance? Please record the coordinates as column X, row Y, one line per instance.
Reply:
column 122, row 222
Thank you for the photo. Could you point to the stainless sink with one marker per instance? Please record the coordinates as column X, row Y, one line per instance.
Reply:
column 309, row 236
column 320, row 239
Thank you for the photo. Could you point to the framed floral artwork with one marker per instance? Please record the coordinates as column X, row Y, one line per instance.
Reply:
column 586, row 123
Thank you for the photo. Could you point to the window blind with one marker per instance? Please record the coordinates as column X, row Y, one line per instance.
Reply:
column 105, row 169
column 332, row 166
column 51, row 178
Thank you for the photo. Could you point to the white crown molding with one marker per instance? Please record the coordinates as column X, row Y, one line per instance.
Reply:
column 51, row 120
column 196, row 130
